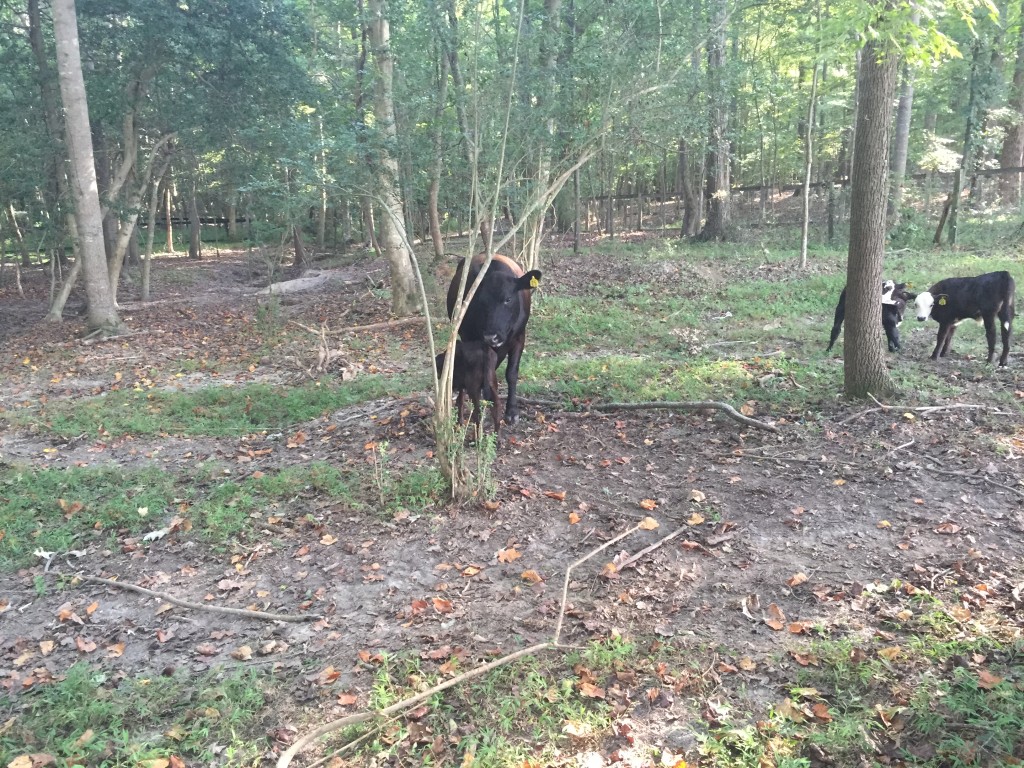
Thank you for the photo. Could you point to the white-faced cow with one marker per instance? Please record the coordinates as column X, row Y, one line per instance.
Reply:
column 984, row 298
column 497, row 315
column 894, row 303
column 474, row 373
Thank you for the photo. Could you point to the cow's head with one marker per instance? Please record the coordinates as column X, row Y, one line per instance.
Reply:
column 888, row 287
column 506, row 305
column 924, row 303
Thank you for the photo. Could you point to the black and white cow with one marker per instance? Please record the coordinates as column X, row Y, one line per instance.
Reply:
column 474, row 373
column 894, row 303
column 497, row 315
column 984, row 298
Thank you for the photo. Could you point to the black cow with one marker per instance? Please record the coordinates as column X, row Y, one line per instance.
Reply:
column 474, row 373
column 497, row 315
column 894, row 303
column 982, row 298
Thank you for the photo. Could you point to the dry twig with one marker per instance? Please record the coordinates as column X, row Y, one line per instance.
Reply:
column 242, row 612
column 924, row 409
column 668, row 405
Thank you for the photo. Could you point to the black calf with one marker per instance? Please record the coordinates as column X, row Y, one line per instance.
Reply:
column 894, row 303
column 984, row 298
column 474, row 374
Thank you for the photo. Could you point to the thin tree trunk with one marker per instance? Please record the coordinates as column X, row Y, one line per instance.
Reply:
column 805, row 223
column 168, row 214
column 405, row 298
column 26, row 259
column 154, row 202
column 863, row 362
column 1012, row 153
column 101, row 315
column 195, row 226
column 437, row 168
column 901, row 141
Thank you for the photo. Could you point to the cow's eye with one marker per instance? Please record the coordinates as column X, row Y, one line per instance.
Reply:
column 508, row 300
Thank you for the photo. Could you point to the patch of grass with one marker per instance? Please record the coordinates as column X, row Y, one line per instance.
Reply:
column 213, row 411
column 413, row 489
column 63, row 509
column 91, row 719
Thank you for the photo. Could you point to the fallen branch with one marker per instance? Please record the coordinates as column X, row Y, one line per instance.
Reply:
column 371, row 327
column 924, row 409
column 243, row 612
column 361, row 717
column 92, row 338
column 981, row 476
column 647, row 550
column 685, row 405
column 699, row 405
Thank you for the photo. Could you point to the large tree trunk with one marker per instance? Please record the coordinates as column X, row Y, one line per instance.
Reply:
column 1012, row 154
column 716, row 225
column 691, row 208
column 102, row 314
column 863, row 364
column 405, row 297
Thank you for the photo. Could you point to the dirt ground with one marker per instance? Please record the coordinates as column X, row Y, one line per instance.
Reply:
column 853, row 497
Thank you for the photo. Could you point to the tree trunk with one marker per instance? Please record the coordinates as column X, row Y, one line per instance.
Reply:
column 901, row 141
column 805, row 221
column 154, row 202
column 437, row 167
column 101, row 315
column 168, row 213
column 863, row 362
column 26, row 260
column 405, row 298
column 533, row 226
column 716, row 225
column 300, row 262
column 1012, row 154
column 195, row 226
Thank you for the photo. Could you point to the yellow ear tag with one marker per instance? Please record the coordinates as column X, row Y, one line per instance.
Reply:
column 942, row 301
column 534, row 282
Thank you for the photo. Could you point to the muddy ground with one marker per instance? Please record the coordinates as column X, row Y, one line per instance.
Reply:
column 849, row 495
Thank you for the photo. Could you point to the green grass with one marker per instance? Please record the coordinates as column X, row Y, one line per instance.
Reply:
column 63, row 509
column 90, row 718
column 213, row 411
column 57, row 510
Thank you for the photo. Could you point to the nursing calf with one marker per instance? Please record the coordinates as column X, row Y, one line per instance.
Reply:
column 894, row 303
column 497, row 315
column 955, row 299
column 474, row 373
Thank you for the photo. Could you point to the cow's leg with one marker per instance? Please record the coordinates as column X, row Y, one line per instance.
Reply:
column 1005, row 329
column 837, row 323
column 461, row 403
column 492, row 383
column 947, row 340
column 942, row 340
column 475, row 418
column 990, row 335
column 892, row 332
column 515, row 353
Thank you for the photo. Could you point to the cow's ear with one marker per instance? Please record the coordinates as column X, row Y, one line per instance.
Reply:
column 530, row 280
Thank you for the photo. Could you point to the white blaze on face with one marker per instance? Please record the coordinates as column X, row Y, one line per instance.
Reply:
column 924, row 303
column 889, row 287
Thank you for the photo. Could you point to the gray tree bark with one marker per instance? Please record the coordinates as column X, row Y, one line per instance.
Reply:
column 405, row 298
column 101, row 313
column 863, row 362
column 901, row 141
column 717, row 222
column 1012, row 153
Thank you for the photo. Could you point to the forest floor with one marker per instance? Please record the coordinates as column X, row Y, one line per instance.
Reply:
column 826, row 576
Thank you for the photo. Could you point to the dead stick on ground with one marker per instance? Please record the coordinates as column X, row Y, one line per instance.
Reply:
column 647, row 550
column 925, row 409
column 361, row 717
column 685, row 405
column 969, row 476
column 371, row 327
column 263, row 615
